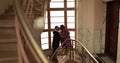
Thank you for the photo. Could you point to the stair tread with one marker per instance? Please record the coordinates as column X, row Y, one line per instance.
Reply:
column 7, row 54
column 9, row 60
column 7, row 37
column 8, row 31
column 8, row 40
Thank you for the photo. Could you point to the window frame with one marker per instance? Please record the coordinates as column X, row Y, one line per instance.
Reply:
column 65, row 9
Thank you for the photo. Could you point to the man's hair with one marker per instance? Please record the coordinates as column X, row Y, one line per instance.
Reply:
column 56, row 27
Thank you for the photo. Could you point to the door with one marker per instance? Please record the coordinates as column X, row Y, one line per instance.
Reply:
column 111, row 29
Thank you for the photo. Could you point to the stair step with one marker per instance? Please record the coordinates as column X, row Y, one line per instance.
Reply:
column 7, row 32
column 5, row 16
column 8, row 54
column 10, row 12
column 9, row 60
column 8, row 47
column 7, row 37
column 7, row 21
column 8, row 40
column 8, row 57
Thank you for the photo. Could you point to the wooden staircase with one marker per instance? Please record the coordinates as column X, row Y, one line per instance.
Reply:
column 8, row 42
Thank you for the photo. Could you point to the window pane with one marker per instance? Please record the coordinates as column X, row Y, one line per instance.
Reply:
column 57, row 13
column 46, row 20
column 46, row 13
column 45, row 46
column 72, row 34
column 70, row 4
column 51, row 37
column 44, row 40
column 57, row 5
column 46, row 23
column 44, row 35
column 71, row 13
column 57, row 19
column 70, row 0
column 46, row 26
column 71, row 25
column 71, row 19
column 51, row 34
column 57, row 0
column 56, row 24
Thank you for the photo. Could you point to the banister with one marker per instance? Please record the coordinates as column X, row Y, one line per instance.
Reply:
column 28, row 32
column 86, row 50
column 91, row 56
column 58, row 48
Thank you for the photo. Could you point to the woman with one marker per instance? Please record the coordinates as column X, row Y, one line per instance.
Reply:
column 65, row 35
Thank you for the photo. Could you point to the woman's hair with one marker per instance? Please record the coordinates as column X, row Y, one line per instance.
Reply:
column 62, row 26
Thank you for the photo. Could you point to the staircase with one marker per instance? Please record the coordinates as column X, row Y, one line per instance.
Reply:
column 8, row 43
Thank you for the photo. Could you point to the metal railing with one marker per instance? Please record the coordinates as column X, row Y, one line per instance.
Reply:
column 76, row 52
column 86, row 56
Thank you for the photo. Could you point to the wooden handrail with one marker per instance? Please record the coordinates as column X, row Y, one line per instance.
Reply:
column 27, row 29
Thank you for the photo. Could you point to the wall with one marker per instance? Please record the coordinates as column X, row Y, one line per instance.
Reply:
column 99, row 26
column 91, row 24
column 118, row 51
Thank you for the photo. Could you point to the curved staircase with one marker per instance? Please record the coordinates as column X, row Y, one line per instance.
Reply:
column 8, row 42
column 25, row 37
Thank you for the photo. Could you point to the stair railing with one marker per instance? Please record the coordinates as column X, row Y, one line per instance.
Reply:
column 76, row 49
column 83, row 52
column 29, row 50
column 58, row 49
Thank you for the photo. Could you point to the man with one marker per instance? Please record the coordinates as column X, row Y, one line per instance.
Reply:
column 56, row 40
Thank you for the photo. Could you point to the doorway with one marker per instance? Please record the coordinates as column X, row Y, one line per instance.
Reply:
column 112, row 22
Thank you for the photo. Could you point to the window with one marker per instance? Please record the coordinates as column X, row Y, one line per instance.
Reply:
column 58, row 14
column 58, row 4
column 70, row 4
column 44, row 40
column 71, row 19
column 57, row 18
column 72, row 34
column 46, row 21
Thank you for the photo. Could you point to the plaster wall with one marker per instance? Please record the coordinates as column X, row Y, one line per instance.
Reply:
column 91, row 24
column 118, row 50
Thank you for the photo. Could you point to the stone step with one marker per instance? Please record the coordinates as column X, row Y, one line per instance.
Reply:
column 7, row 24
column 7, row 21
column 10, row 12
column 6, row 32
column 9, row 60
column 7, row 17
column 7, row 37
column 8, row 54
column 8, row 40
column 8, row 57
column 8, row 46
